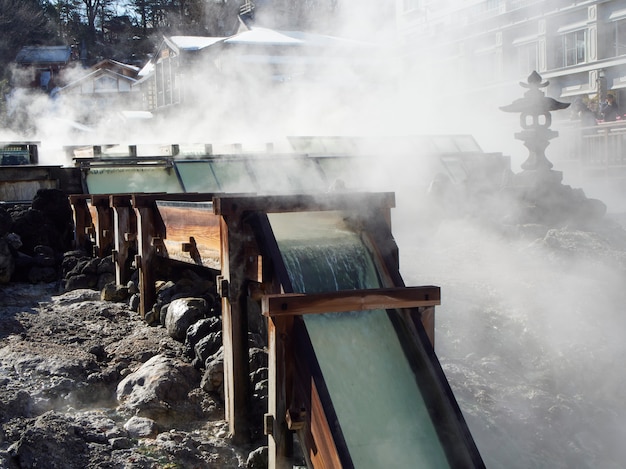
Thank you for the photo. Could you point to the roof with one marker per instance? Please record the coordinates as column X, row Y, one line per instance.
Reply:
column 118, row 67
column 44, row 55
column 266, row 36
column 191, row 43
column 97, row 73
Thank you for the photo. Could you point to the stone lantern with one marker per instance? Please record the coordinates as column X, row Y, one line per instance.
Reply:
column 535, row 119
column 538, row 188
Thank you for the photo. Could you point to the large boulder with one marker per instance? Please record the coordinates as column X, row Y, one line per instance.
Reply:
column 157, row 386
column 182, row 313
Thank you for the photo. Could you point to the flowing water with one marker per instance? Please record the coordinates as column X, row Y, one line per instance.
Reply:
column 379, row 406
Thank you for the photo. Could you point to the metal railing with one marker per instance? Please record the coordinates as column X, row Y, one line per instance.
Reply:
column 602, row 146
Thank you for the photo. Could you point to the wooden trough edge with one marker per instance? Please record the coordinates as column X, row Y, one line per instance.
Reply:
column 290, row 304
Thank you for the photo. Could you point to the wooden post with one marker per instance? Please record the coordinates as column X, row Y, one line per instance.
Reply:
column 125, row 233
column 82, row 220
column 234, row 326
column 147, row 238
column 280, row 385
column 104, row 224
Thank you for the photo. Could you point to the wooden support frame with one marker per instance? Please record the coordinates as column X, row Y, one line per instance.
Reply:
column 351, row 201
column 235, row 325
column 104, row 224
column 150, row 235
column 83, row 224
column 125, row 225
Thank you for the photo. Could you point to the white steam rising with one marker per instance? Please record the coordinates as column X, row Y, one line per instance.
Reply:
column 531, row 341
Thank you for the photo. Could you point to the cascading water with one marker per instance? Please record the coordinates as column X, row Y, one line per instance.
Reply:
column 379, row 405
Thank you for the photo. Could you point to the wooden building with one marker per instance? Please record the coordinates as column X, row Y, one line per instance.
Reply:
column 106, row 84
column 40, row 66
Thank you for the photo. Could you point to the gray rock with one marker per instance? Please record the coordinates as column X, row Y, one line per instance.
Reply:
column 182, row 313
column 213, row 378
column 141, row 427
column 156, row 386
column 121, row 442
column 258, row 459
column 208, row 345
column 113, row 292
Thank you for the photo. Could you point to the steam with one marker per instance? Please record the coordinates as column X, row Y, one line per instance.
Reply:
column 530, row 330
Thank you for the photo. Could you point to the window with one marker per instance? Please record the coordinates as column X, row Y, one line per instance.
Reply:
column 527, row 58
column 104, row 84
column 571, row 50
column 411, row 5
column 620, row 37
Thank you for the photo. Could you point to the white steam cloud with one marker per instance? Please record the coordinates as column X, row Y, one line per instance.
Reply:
column 531, row 340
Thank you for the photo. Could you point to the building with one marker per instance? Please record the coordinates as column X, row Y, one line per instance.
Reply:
column 484, row 45
column 480, row 50
column 107, row 84
column 250, row 62
column 40, row 66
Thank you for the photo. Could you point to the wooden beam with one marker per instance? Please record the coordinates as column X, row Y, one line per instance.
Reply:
column 350, row 300
column 104, row 224
column 82, row 220
column 235, row 328
column 357, row 201
column 125, row 224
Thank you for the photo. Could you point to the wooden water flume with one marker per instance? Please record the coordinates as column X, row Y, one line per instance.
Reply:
column 230, row 238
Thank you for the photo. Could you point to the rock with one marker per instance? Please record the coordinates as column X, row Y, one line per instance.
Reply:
column 213, row 378
column 258, row 459
column 182, row 313
column 52, row 441
column 42, row 274
column 197, row 331
column 44, row 256
column 80, row 281
column 106, row 266
column 134, row 302
column 115, row 293
column 6, row 222
column 121, row 442
column 7, row 262
column 157, row 385
column 257, row 358
column 208, row 346
column 141, row 427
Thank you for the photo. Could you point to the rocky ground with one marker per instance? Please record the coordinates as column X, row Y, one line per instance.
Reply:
column 86, row 383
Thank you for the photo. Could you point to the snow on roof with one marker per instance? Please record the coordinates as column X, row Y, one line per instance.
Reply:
column 194, row 42
column 96, row 73
column 102, row 63
column 147, row 69
column 263, row 36
column 271, row 37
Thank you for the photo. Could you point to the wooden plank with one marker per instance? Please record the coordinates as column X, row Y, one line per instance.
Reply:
column 280, row 376
column 125, row 224
column 358, row 201
column 104, row 224
column 235, row 328
column 147, row 231
column 140, row 200
column 82, row 220
column 192, row 234
column 350, row 300
column 325, row 453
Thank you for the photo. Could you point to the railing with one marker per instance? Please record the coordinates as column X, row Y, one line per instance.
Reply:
column 600, row 147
